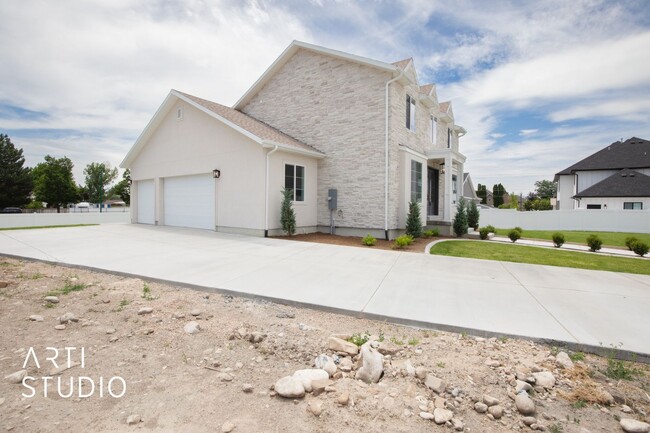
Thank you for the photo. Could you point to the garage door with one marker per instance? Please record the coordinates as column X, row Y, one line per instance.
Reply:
column 145, row 191
column 189, row 201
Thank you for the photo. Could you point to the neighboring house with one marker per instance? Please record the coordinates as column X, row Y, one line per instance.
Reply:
column 469, row 193
column 317, row 120
column 616, row 177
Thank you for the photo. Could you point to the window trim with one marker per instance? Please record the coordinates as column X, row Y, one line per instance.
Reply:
column 294, row 177
column 625, row 203
column 410, row 113
column 434, row 129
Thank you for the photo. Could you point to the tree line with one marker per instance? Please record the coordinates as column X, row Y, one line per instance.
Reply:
column 52, row 181
column 540, row 199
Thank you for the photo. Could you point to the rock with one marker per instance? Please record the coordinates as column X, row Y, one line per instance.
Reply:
column 492, row 363
column 529, row 420
column 496, row 411
column 489, row 400
column 285, row 315
column 525, row 405
column 522, row 386
column 339, row 345
column 110, row 331
column 370, row 367
column 426, row 415
column 178, row 316
column 343, row 398
column 59, row 327
column 67, row 318
column 3, row 284
column 480, row 407
column 290, row 387
column 326, row 363
column 435, row 384
column 315, row 407
column 113, row 339
column 544, row 379
column 51, row 299
column 441, row 416
column 410, row 370
column 191, row 327
column 133, row 419
column 319, row 385
column 227, row 426
column 421, row 372
column 457, row 424
column 630, row 425
column 247, row 388
column 196, row 312
column 607, row 398
column 345, row 364
column 256, row 337
column 145, row 310
column 225, row 377
column 308, row 375
column 626, row 409
column 16, row 377
column 36, row 318
column 388, row 348
column 564, row 361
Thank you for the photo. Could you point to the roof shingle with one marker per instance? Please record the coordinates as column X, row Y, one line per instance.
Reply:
column 625, row 183
column 631, row 153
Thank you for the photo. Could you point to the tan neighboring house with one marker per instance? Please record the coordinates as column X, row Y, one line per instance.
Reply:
column 355, row 138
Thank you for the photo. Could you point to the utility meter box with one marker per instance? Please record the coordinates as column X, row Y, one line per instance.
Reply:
column 331, row 199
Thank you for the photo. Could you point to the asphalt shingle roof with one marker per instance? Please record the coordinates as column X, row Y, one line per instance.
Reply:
column 625, row 183
column 631, row 153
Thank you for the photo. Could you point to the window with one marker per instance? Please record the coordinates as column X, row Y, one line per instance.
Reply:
column 593, row 206
column 636, row 205
column 449, row 138
column 434, row 126
column 454, row 186
column 410, row 113
column 179, row 113
column 416, row 181
column 294, row 178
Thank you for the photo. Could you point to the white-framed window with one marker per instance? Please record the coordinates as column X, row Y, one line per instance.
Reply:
column 635, row 205
column 434, row 129
column 448, row 138
column 294, row 179
column 454, row 187
column 410, row 113
column 416, row 181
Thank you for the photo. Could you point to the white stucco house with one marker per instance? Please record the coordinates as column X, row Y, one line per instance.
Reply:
column 616, row 177
column 317, row 120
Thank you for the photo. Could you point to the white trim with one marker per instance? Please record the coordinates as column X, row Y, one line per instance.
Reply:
column 266, row 195
column 412, row 152
column 314, row 154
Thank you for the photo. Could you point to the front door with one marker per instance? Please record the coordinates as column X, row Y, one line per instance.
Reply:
column 433, row 177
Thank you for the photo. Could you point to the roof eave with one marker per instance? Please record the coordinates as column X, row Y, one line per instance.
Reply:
column 313, row 153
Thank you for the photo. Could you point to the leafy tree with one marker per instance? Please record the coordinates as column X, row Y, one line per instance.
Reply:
column 498, row 191
column 481, row 192
column 545, row 188
column 538, row 204
column 54, row 182
column 473, row 215
column 460, row 220
column 413, row 220
column 98, row 176
column 287, row 215
column 15, row 180
column 122, row 189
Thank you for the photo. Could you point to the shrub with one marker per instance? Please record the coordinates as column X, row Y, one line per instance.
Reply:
column 460, row 220
column 484, row 232
column 431, row 233
column 558, row 239
column 594, row 243
column 473, row 216
column 514, row 234
column 287, row 215
column 629, row 241
column 519, row 229
column 369, row 240
column 402, row 241
column 413, row 221
column 640, row 248
column 490, row 228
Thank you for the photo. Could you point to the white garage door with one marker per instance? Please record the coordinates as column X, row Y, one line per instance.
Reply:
column 189, row 201
column 145, row 191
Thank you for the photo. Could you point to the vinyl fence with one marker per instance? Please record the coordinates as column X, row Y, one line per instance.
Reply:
column 61, row 219
column 636, row 221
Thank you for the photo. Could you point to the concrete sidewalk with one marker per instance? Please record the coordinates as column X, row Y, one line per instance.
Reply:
column 579, row 307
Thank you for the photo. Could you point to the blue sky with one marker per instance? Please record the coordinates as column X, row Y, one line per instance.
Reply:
column 538, row 85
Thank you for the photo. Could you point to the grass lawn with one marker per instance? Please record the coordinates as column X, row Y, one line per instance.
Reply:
column 540, row 256
column 610, row 239
column 47, row 227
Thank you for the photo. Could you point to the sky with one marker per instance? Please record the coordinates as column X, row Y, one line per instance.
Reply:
column 538, row 85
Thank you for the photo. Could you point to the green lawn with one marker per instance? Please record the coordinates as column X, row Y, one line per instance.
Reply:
column 47, row 227
column 540, row 256
column 610, row 239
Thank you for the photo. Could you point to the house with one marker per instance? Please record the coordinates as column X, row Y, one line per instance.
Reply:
column 469, row 193
column 616, row 177
column 356, row 140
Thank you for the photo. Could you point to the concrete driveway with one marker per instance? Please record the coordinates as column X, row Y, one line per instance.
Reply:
column 578, row 307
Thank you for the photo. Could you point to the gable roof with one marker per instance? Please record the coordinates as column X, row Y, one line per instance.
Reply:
column 631, row 153
column 402, row 64
column 625, row 183
column 258, row 131
column 426, row 89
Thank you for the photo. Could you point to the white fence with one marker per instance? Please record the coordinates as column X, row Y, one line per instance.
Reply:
column 636, row 221
column 61, row 219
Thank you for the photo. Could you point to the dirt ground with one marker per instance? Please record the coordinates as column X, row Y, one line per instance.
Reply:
column 416, row 247
column 221, row 378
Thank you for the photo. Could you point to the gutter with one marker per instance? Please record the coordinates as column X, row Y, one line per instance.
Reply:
column 266, row 194
column 401, row 74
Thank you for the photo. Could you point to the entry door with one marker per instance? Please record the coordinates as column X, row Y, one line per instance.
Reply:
column 145, row 202
column 433, row 177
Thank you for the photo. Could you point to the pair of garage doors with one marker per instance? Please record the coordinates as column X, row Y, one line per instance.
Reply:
column 188, row 201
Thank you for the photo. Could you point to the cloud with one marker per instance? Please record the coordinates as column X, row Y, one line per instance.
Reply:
column 625, row 109
column 525, row 132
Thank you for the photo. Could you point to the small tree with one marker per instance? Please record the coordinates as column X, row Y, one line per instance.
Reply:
column 473, row 215
column 413, row 220
column 460, row 220
column 98, row 176
column 287, row 215
column 15, row 179
column 54, row 182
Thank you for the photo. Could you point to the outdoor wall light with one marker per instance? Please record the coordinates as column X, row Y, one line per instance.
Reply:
column 216, row 173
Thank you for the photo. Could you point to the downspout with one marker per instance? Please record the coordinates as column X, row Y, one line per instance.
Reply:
column 401, row 74
column 266, row 194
